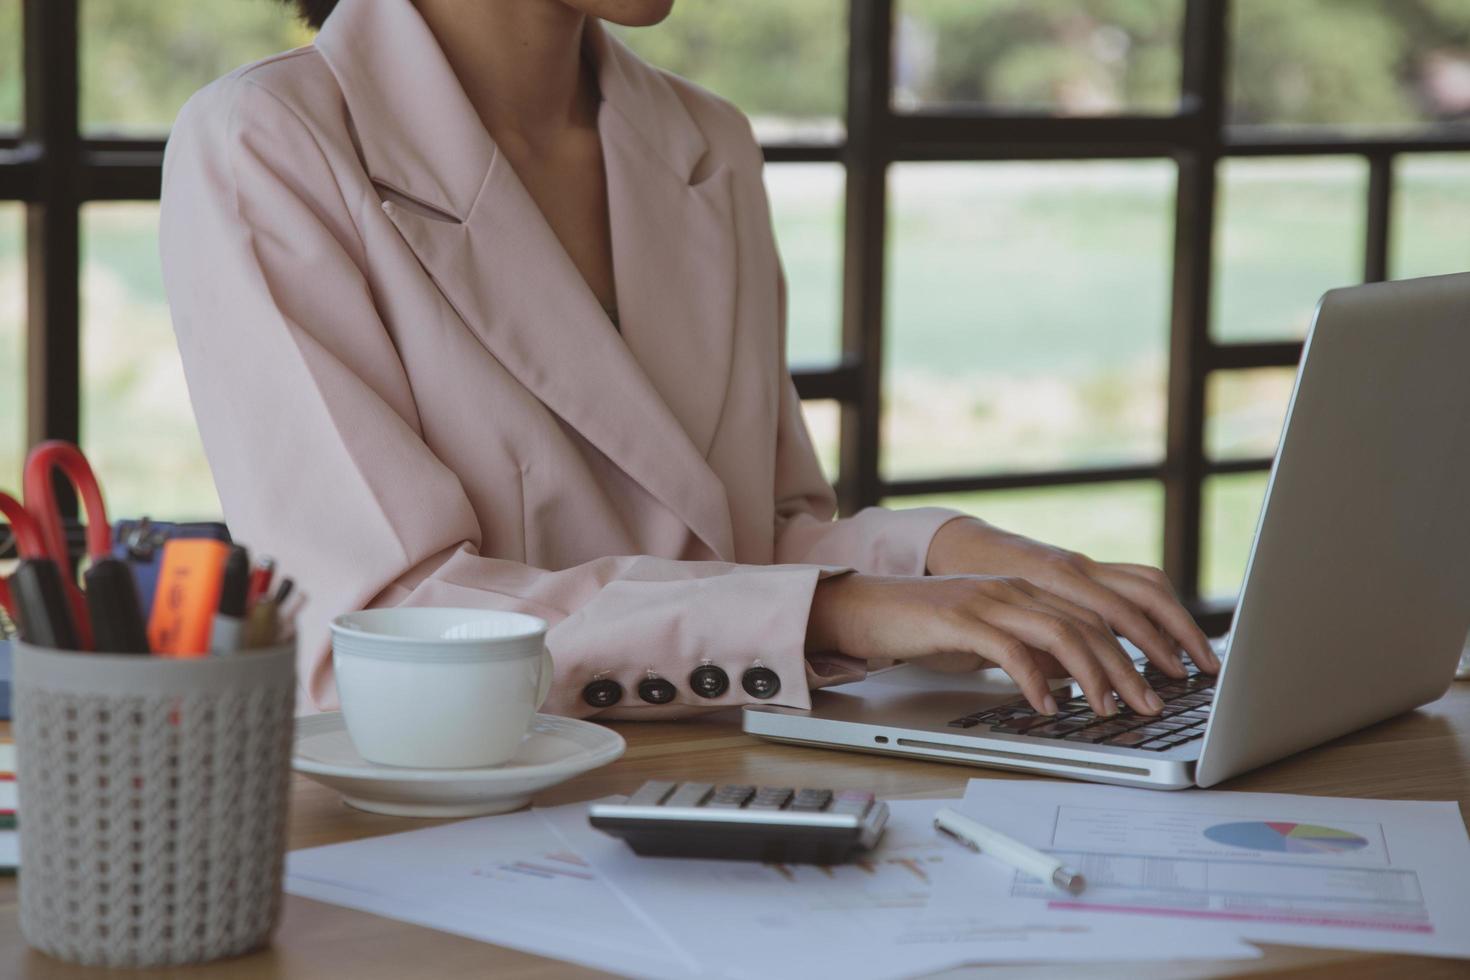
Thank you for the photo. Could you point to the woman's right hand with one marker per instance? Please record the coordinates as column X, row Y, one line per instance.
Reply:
column 965, row 622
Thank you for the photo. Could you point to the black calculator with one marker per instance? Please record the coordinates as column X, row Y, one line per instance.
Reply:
column 778, row 825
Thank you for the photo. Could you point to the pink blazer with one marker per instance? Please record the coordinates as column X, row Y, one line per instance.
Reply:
column 409, row 396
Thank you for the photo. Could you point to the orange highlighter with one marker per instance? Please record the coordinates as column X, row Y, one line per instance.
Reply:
column 189, row 582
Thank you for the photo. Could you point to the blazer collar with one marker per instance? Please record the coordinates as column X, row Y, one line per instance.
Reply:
column 650, row 400
column 417, row 130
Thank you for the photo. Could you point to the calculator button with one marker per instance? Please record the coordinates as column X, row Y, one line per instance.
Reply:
column 852, row 802
column 709, row 681
column 651, row 793
column 731, row 797
column 690, row 794
column 602, row 694
column 656, row 690
column 760, row 682
column 811, row 800
column 768, row 798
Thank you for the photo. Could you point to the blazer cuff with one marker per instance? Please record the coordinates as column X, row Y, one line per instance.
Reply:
column 753, row 626
column 909, row 534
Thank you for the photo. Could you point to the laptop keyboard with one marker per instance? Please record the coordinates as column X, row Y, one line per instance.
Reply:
column 1186, row 709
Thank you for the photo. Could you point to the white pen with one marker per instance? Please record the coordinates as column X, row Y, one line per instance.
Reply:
column 981, row 839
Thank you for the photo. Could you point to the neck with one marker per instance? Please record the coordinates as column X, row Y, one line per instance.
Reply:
column 519, row 61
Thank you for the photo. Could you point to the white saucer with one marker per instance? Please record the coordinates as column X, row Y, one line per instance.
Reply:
column 555, row 750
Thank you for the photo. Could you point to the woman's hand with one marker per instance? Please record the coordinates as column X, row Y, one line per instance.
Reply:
column 959, row 622
column 1135, row 601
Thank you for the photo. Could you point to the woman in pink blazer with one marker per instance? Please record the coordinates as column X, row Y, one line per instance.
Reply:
column 478, row 309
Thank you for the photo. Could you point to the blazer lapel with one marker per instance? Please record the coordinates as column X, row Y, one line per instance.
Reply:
column 495, row 259
column 673, row 232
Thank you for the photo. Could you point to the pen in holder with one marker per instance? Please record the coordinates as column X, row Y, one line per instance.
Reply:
column 155, row 795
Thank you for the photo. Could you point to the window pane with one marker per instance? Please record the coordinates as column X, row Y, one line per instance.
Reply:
column 1028, row 309
column 824, row 422
column 137, row 424
column 1431, row 227
column 784, row 64
column 141, row 59
column 12, row 346
column 1245, row 410
column 1290, row 229
column 10, row 65
column 1063, row 57
column 806, row 206
column 1232, row 505
column 1367, row 63
column 1109, row 522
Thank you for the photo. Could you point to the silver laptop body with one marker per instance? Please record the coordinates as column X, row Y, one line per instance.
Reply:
column 1356, row 600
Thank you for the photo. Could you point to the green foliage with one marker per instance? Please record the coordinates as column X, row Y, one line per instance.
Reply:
column 9, row 63
column 1033, row 54
column 771, row 57
column 141, row 59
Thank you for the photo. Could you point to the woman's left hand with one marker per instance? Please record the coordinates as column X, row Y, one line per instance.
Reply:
column 1136, row 601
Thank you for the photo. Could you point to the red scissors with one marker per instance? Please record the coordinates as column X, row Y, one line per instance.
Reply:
column 38, row 529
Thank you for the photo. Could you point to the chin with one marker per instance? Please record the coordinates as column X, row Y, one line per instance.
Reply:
column 628, row 13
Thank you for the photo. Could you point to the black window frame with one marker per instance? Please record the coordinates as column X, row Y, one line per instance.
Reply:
column 54, row 170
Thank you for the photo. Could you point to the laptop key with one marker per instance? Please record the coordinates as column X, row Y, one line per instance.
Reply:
column 965, row 722
column 1056, row 729
column 1127, row 739
column 1017, row 726
column 1090, row 735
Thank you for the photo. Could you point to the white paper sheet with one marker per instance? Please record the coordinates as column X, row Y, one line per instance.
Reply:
column 1312, row 871
column 508, row 880
column 875, row 918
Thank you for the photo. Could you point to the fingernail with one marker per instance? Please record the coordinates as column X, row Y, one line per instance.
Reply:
column 1048, row 705
column 1154, row 703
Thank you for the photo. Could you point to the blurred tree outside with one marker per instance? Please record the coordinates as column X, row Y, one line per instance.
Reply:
column 142, row 59
column 10, row 94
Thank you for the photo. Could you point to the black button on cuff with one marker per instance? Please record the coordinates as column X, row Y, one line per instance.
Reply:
column 656, row 690
column 602, row 694
column 709, row 681
column 760, row 682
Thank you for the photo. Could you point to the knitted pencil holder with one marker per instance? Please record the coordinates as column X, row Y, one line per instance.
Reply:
column 153, row 800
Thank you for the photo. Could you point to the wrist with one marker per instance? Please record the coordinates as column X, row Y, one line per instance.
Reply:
column 952, row 544
column 832, row 603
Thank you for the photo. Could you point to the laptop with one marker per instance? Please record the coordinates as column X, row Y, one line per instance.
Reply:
column 1356, row 599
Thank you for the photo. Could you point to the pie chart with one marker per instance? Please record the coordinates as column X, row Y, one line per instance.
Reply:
column 1280, row 835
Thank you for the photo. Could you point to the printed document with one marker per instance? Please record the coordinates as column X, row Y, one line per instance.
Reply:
column 546, row 882
column 1301, row 870
column 876, row 917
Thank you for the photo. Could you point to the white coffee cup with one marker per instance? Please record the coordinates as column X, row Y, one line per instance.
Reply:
column 439, row 688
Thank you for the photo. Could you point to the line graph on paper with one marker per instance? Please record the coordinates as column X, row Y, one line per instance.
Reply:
column 547, row 867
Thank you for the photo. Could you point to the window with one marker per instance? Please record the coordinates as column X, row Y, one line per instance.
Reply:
column 10, row 59
column 1289, row 229
column 1028, row 309
column 1431, row 232
column 1110, row 522
column 137, row 426
column 1048, row 261
column 806, row 207
column 12, row 345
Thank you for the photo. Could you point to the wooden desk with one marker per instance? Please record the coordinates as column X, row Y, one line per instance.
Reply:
column 1424, row 755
